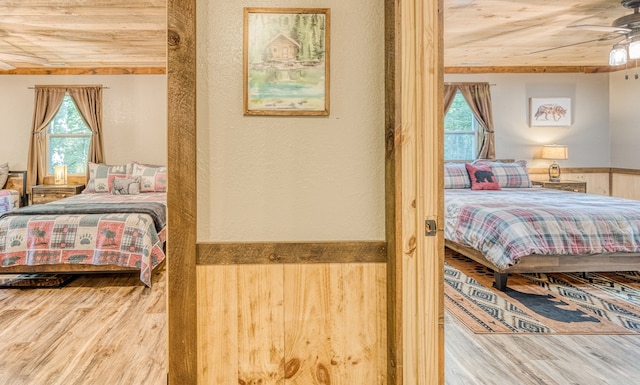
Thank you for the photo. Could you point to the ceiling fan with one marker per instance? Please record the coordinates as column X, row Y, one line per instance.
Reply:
column 622, row 25
column 627, row 26
column 7, row 58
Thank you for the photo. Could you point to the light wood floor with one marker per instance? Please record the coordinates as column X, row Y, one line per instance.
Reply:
column 111, row 330
column 98, row 330
column 550, row 360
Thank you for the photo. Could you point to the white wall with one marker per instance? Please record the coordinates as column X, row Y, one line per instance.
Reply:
column 624, row 121
column 134, row 116
column 291, row 178
column 587, row 137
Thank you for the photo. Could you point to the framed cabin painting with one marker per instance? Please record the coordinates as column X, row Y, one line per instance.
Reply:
column 286, row 61
column 550, row 112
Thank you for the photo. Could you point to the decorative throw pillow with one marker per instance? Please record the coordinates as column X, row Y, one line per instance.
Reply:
column 456, row 176
column 101, row 177
column 126, row 186
column 152, row 179
column 511, row 175
column 130, row 166
column 4, row 174
column 482, row 177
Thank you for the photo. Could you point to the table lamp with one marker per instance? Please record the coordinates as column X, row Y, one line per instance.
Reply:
column 60, row 174
column 555, row 152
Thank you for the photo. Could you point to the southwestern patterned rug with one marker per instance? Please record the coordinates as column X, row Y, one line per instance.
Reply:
column 556, row 303
column 32, row 281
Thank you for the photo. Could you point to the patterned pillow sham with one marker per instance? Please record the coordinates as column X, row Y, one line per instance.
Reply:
column 101, row 177
column 130, row 166
column 152, row 179
column 511, row 175
column 126, row 186
column 482, row 177
column 456, row 176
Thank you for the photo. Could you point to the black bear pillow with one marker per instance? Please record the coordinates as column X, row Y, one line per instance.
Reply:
column 482, row 177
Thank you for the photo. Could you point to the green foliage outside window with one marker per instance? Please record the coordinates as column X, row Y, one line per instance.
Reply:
column 68, row 139
column 460, row 131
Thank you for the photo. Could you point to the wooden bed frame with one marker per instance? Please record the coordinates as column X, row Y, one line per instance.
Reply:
column 73, row 269
column 552, row 263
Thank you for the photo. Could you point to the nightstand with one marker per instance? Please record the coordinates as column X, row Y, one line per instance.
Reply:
column 45, row 193
column 566, row 185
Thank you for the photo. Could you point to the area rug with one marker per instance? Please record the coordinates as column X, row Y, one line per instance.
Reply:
column 29, row 281
column 556, row 303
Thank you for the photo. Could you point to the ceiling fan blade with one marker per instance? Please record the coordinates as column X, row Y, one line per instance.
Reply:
column 601, row 28
column 574, row 44
column 12, row 57
column 6, row 66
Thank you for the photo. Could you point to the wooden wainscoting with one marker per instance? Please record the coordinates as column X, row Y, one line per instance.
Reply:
column 597, row 178
column 625, row 183
column 617, row 182
column 307, row 312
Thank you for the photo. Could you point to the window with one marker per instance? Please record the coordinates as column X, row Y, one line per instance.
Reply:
column 68, row 139
column 460, row 131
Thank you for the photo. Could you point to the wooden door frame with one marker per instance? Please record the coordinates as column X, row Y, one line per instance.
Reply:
column 413, row 192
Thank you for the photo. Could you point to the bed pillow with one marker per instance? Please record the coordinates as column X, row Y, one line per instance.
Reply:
column 130, row 166
column 511, row 175
column 126, row 186
column 101, row 177
column 456, row 176
column 152, row 179
column 4, row 174
column 482, row 177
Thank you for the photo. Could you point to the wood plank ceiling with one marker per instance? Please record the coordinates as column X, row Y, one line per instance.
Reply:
column 502, row 33
column 129, row 36
column 63, row 35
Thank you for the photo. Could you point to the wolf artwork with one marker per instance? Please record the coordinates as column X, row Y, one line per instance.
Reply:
column 554, row 112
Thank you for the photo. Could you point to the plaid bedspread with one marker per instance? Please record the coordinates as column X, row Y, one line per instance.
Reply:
column 511, row 223
column 122, row 239
column 9, row 200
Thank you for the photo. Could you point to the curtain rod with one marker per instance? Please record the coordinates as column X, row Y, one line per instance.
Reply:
column 73, row 86
column 450, row 83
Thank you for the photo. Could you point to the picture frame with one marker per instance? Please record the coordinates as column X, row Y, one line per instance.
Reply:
column 286, row 57
column 550, row 112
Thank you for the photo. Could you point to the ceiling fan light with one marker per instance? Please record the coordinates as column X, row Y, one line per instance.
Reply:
column 634, row 49
column 618, row 56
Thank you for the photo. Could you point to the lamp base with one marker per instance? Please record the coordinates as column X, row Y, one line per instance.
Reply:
column 554, row 172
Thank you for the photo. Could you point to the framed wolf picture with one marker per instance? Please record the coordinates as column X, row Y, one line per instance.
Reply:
column 552, row 112
column 286, row 61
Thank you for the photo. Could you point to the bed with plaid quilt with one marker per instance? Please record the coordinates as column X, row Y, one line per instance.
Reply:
column 125, row 239
column 9, row 200
column 508, row 224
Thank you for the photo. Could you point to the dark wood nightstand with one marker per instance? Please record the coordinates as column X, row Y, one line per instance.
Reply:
column 566, row 185
column 45, row 193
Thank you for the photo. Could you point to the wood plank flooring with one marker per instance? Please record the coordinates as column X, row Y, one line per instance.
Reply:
column 499, row 359
column 106, row 329
column 111, row 330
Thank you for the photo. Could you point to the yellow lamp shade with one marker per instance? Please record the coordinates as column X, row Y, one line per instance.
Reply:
column 555, row 152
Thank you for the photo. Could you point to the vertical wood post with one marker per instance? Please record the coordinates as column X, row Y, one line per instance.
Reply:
column 418, row 169
column 181, row 193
